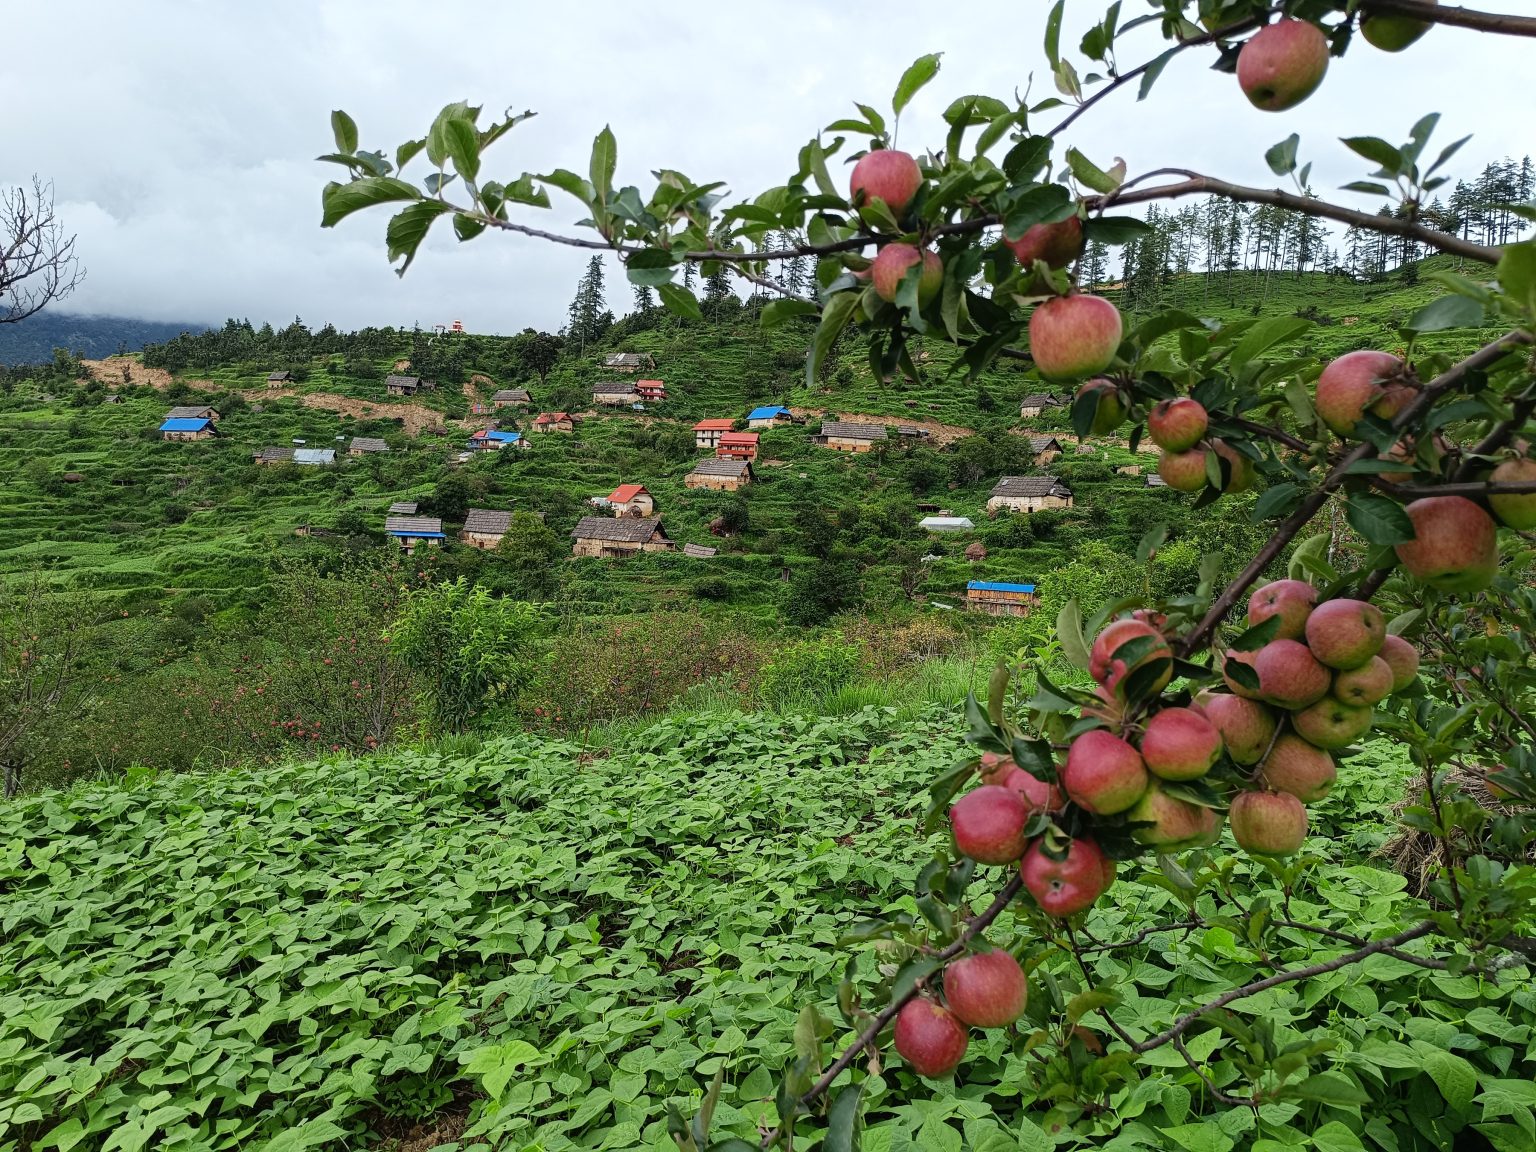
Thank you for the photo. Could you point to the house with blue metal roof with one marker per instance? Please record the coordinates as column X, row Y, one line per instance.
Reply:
column 1000, row 598
column 187, row 428
column 771, row 416
column 492, row 440
column 413, row 530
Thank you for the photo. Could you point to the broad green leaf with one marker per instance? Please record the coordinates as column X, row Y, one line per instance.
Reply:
column 344, row 129
column 1516, row 273
column 1446, row 312
column 776, row 312
column 918, row 73
column 680, row 300
column 1069, row 631
column 1335, row 1137
column 1453, row 1075
column 463, row 144
column 1379, row 519
column 604, row 162
column 844, row 1120
column 408, row 228
column 1090, row 174
column 1265, row 335
column 835, row 315
column 1282, row 157
column 1377, row 151
column 341, row 200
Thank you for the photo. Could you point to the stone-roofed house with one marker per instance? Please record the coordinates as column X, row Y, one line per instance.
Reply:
column 608, row 538
column 364, row 445
column 631, row 500
column 403, row 508
column 484, row 527
column 279, row 379
column 402, row 385
column 1028, row 494
column 412, row 531
column 723, row 474
column 698, row 551
column 1036, row 404
column 194, row 412
column 111, row 398
column 511, row 398
column 615, row 393
column 1045, row 448
column 278, row 455
column 628, row 361
column 848, row 436
column 1155, row 481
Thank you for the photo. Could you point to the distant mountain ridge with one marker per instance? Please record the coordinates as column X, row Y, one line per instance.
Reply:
column 34, row 339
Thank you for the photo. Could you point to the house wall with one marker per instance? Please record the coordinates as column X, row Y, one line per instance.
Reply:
column 563, row 426
column 399, row 390
column 845, row 444
column 409, row 544
column 1029, row 412
column 657, row 545
column 603, row 549
column 1043, row 458
column 204, row 434
column 999, row 603
column 639, row 506
column 615, row 397
column 1026, row 503
column 707, row 438
column 485, row 540
column 737, row 454
column 717, row 483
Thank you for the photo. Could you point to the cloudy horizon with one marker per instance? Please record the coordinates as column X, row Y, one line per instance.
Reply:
column 182, row 152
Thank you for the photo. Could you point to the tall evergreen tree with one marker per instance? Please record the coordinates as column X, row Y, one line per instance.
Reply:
column 585, row 317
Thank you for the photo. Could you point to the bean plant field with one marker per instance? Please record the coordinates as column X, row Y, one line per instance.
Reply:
column 517, row 945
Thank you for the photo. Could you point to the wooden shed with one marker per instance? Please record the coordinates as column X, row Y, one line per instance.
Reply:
column 848, row 436
column 511, row 398
column 1028, row 494
column 997, row 598
column 484, row 527
column 608, row 538
column 1045, row 448
column 722, row 474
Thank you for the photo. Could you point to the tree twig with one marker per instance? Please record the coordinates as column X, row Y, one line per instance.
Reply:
column 1181, row 1025
column 1484, row 357
column 1210, row 1085
column 1456, row 17
column 867, row 1037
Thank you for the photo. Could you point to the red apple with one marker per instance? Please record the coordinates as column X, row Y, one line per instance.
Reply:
column 1109, row 406
column 1358, row 382
column 1038, row 795
column 1074, row 336
column 1331, row 725
column 1369, row 684
column 988, row 823
column 1108, row 667
column 1345, row 633
column 1057, row 244
column 1183, row 470
column 929, row 1037
column 994, row 767
column 1403, row 658
column 1242, row 474
column 887, row 175
column 1390, row 32
column 1291, row 600
column 891, row 264
column 1513, row 509
column 1170, row 823
column 1246, row 726
column 1180, row 744
column 1289, row 675
column 1455, row 546
column 1304, row 770
column 986, row 989
column 1067, row 886
column 1176, row 425
column 1103, row 774
column 1268, row 823
column 1282, row 64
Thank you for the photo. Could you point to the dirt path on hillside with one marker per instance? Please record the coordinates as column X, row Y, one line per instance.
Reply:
column 415, row 418
column 938, row 433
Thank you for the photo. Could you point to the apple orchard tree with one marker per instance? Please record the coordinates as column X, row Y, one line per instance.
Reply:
column 1233, row 705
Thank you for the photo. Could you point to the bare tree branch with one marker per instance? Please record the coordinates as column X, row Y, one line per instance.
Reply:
column 1456, row 17
column 38, row 265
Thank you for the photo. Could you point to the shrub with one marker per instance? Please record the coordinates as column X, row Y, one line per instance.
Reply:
column 809, row 670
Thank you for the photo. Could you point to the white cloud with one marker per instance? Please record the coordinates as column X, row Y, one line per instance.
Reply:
column 181, row 136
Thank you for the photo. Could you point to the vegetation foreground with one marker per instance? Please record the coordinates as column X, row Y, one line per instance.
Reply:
column 521, row 945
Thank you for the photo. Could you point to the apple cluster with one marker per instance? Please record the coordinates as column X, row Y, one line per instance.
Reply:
column 1285, row 62
column 1309, row 691
column 1178, row 426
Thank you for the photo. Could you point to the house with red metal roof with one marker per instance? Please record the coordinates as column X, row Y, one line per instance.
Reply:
column 737, row 446
column 707, row 433
column 631, row 500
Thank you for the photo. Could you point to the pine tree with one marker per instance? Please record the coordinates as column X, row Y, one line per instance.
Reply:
column 644, row 299
column 585, row 318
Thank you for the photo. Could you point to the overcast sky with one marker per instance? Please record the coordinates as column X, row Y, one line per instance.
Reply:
column 181, row 134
